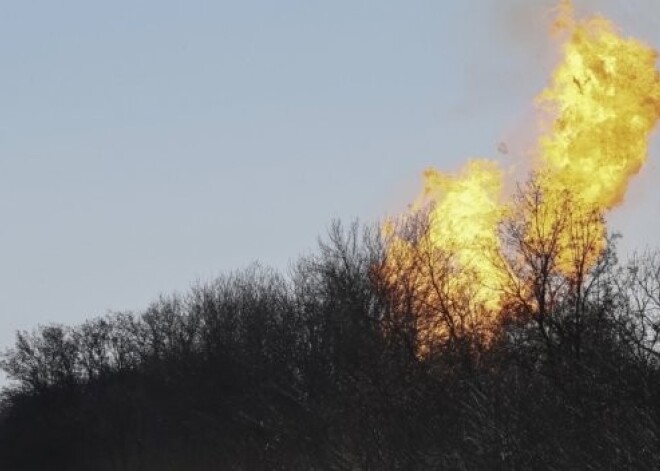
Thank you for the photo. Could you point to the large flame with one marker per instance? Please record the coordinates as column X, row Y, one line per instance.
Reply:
column 605, row 97
column 600, row 107
column 463, row 220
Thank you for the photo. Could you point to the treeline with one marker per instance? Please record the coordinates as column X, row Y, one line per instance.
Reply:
column 332, row 368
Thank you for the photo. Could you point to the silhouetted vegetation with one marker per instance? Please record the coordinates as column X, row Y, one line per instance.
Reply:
column 325, row 369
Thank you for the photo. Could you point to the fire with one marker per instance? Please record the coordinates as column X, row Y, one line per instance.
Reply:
column 600, row 108
column 464, row 212
column 440, row 260
column 605, row 97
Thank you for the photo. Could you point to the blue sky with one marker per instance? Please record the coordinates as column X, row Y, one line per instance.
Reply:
column 145, row 145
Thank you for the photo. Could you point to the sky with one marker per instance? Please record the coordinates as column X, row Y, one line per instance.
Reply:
column 147, row 145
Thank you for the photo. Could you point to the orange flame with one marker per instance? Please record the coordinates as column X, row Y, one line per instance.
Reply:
column 606, row 99
column 603, row 102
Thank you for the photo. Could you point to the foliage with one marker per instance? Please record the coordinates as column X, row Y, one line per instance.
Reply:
column 321, row 369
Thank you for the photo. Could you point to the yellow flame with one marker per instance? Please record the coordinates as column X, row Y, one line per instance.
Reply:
column 603, row 102
column 605, row 97
column 441, row 268
column 465, row 213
